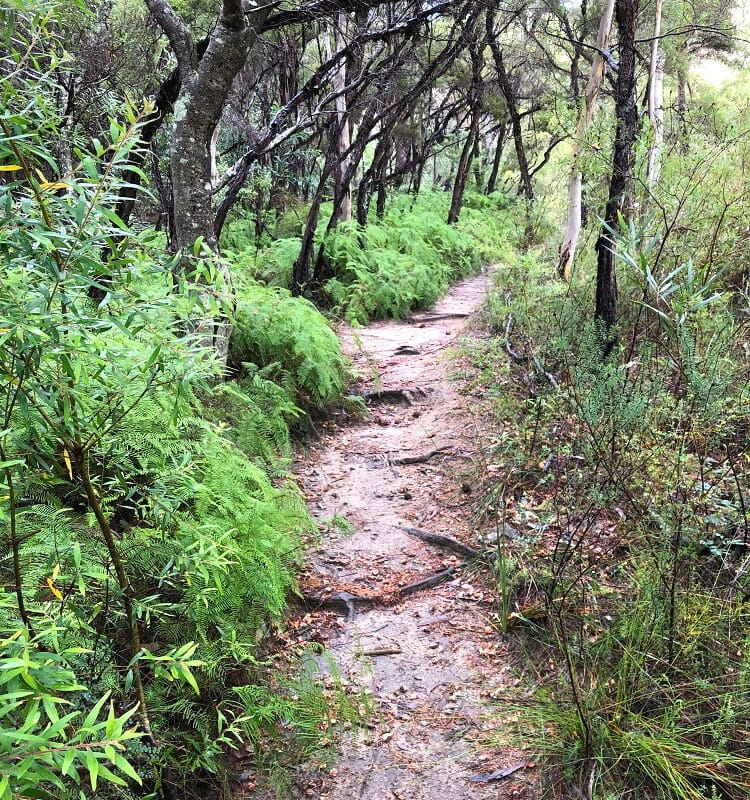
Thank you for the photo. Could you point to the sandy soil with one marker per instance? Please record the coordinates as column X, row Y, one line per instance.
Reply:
column 445, row 664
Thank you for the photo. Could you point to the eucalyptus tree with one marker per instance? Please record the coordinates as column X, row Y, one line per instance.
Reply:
column 585, row 118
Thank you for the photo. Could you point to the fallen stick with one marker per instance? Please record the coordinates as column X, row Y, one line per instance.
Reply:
column 383, row 651
column 428, row 583
column 421, row 459
column 446, row 542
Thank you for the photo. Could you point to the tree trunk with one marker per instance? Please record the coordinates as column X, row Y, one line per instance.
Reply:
column 467, row 154
column 496, row 159
column 301, row 267
column 655, row 102
column 205, row 84
column 626, row 114
column 575, row 181
column 462, row 172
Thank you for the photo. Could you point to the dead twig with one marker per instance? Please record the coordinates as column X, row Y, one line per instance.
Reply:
column 498, row 774
column 517, row 357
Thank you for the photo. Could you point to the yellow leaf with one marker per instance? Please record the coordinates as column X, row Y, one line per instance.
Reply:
column 68, row 464
column 9, row 168
column 55, row 572
column 52, row 186
column 55, row 591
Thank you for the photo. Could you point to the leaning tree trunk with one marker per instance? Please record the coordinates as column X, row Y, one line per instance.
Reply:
column 526, row 188
column 626, row 114
column 575, row 181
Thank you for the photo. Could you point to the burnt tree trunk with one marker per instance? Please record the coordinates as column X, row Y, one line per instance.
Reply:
column 626, row 131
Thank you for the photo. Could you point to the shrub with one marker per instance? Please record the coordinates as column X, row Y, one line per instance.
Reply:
column 291, row 343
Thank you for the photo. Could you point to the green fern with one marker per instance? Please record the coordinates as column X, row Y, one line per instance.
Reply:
column 291, row 342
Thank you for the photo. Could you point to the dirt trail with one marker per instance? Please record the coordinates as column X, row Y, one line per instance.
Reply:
column 433, row 696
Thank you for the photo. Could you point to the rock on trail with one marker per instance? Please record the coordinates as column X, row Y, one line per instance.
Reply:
column 432, row 660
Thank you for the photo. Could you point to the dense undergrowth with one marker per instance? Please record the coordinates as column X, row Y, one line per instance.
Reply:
column 150, row 534
column 624, row 546
column 402, row 261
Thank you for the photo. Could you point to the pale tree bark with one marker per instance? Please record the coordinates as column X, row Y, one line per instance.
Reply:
column 586, row 117
column 656, row 101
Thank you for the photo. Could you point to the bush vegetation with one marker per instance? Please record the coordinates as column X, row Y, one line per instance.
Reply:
column 624, row 512
column 146, row 550
column 287, row 340
column 403, row 261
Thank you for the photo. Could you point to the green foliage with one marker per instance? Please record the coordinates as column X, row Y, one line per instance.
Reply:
column 627, row 479
column 291, row 343
column 144, row 548
column 404, row 261
column 46, row 740
column 256, row 414
column 271, row 263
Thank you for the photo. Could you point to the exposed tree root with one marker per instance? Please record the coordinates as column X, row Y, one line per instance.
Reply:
column 420, row 459
column 428, row 583
column 446, row 542
column 348, row 604
column 344, row 603
column 398, row 395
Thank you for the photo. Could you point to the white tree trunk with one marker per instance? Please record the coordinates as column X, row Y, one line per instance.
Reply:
column 575, row 184
column 656, row 102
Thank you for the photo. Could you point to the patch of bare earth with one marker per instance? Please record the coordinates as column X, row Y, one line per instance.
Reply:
column 431, row 658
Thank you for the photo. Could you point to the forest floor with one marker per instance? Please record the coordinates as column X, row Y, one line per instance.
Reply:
column 436, row 667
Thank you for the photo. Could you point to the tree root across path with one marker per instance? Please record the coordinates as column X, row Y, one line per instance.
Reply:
column 347, row 603
column 420, row 459
column 406, row 395
column 447, row 543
